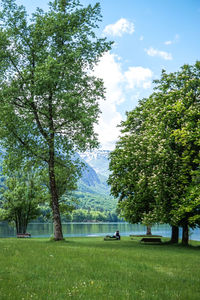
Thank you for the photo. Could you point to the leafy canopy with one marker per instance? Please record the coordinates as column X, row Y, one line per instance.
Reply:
column 49, row 96
column 155, row 166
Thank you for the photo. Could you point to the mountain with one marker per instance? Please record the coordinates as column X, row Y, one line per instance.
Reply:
column 89, row 176
column 95, row 174
column 93, row 191
column 98, row 160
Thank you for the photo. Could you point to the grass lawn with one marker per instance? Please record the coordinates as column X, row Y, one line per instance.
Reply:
column 90, row 268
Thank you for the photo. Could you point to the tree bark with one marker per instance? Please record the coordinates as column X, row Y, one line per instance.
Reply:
column 58, row 235
column 185, row 235
column 21, row 226
column 174, row 235
column 19, row 222
column 148, row 230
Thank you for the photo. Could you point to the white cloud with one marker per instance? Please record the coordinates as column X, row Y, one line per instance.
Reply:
column 141, row 38
column 117, row 84
column 109, row 69
column 168, row 42
column 163, row 54
column 175, row 40
column 119, row 28
column 107, row 129
column 138, row 77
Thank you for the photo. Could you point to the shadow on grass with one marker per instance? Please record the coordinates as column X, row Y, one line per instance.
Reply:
column 164, row 245
column 124, row 243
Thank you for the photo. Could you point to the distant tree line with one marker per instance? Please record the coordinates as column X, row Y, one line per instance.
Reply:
column 80, row 215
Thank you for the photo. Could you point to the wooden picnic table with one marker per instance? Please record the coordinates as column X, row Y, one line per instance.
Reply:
column 151, row 240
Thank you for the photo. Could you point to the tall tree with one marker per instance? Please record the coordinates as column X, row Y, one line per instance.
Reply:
column 160, row 147
column 49, row 97
column 131, row 168
column 179, row 114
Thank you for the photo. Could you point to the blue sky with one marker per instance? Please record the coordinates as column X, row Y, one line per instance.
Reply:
column 149, row 36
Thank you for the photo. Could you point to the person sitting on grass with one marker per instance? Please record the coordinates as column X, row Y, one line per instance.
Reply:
column 116, row 235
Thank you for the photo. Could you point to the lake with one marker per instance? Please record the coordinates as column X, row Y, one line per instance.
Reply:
column 92, row 229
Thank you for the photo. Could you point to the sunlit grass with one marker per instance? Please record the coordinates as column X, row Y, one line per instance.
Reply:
column 89, row 268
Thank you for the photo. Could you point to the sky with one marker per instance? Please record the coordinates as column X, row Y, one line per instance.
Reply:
column 148, row 36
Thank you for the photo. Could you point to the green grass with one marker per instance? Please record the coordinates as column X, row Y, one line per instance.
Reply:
column 90, row 268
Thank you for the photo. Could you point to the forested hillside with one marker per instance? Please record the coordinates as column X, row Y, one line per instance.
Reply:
column 94, row 202
column 93, row 192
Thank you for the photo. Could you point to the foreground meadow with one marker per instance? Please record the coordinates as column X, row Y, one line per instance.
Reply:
column 90, row 268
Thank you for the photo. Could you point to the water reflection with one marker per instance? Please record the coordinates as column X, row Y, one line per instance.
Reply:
column 92, row 229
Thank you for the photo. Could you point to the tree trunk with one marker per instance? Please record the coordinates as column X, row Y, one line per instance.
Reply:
column 21, row 226
column 58, row 235
column 148, row 230
column 174, row 235
column 16, row 223
column 185, row 235
column 19, row 222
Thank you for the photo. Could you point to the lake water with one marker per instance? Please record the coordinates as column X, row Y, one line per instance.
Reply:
column 92, row 229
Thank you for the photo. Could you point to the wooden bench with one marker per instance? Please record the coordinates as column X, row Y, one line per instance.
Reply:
column 151, row 240
column 23, row 235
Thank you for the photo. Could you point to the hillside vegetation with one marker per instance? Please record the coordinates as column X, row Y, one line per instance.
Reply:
column 93, row 199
